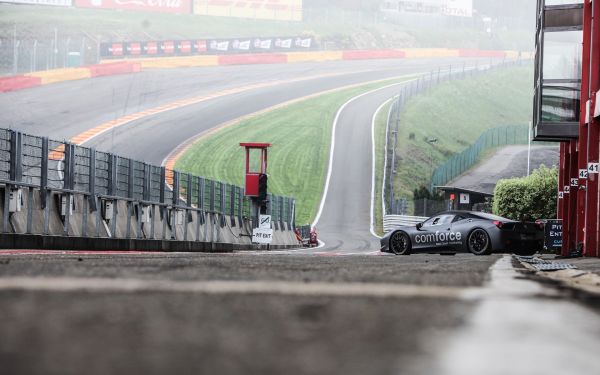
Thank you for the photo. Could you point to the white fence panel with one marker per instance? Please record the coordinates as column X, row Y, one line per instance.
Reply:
column 393, row 221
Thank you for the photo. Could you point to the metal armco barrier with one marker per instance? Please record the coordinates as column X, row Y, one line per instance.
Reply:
column 390, row 222
column 55, row 188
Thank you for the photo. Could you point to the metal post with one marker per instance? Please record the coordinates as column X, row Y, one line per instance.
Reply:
column 44, row 193
column 591, row 219
column 15, row 51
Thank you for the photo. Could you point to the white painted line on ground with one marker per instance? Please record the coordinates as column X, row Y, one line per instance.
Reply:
column 520, row 327
column 68, row 284
column 374, row 166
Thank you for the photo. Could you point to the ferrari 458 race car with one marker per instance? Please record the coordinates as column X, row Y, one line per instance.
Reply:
column 466, row 231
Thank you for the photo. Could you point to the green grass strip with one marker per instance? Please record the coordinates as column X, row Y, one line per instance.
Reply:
column 301, row 138
column 456, row 113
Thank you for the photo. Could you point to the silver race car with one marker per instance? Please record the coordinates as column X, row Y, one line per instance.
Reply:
column 466, row 231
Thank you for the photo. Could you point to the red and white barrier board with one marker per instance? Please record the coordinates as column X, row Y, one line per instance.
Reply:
column 161, row 6
column 58, row 3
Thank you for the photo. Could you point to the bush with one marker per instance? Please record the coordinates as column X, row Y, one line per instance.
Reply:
column 528, row 198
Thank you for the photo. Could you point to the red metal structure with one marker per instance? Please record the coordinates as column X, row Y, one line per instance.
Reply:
column 566, row 110
column 256, row 166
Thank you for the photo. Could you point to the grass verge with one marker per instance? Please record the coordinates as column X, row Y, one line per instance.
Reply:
column 456, row 113
column 301, row 138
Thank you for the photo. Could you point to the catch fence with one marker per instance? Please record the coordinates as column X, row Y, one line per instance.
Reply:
column 459, row 163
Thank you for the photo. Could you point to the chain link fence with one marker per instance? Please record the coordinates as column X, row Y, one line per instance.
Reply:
column 22, row 53
column 393, row 205
column 459, row 163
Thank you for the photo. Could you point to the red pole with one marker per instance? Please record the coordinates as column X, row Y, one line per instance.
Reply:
column 591, row 222
column 572, row 198
column 583, row 127
column 563, row 202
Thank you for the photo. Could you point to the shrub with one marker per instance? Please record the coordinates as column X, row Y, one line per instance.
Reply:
column 528, row 198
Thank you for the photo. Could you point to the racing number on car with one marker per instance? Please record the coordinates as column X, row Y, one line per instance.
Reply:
column 583, row 174
column 593, row 168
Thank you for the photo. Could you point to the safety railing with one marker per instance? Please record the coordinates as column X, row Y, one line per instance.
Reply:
column 34, row 162
column 459, row 163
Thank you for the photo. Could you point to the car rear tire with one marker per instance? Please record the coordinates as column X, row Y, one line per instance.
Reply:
column 479, row 242
column 400, row 243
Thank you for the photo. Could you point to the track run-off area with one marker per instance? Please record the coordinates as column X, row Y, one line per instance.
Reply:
column 148, row 115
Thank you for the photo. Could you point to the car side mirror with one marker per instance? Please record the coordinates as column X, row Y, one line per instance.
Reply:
column 419, row 226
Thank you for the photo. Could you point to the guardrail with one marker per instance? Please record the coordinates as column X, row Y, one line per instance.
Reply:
column 62, row 170
column 391, row 222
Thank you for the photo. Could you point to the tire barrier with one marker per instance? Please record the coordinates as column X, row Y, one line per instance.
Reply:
column 270, row 58
column 61, row 75
column 375, row 54
column 113, row 67
column 18, row 83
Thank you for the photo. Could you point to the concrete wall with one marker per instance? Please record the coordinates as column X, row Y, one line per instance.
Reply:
column 39, row 227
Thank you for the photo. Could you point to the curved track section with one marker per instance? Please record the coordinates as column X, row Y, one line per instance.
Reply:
column 344, row 219
column 67, row 109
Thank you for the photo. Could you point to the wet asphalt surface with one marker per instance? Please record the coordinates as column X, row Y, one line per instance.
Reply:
column 155, row 332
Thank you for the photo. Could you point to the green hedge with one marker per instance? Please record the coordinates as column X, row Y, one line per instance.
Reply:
column 528, row 198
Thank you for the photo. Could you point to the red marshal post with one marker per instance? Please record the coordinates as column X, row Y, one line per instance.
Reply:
column 256, row 175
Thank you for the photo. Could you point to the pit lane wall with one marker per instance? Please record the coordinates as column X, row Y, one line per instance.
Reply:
column 112, row 67
column 60, row 196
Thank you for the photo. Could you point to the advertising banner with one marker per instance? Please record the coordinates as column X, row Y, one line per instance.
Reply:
column 58, row 3
column 284, row 10
column 161, row 6
column 205, row 47
column 458, row 8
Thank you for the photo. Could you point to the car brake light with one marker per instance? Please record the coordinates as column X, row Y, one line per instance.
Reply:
column 498, row 223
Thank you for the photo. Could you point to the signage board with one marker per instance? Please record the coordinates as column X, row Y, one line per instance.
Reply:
column 58, row 3
column 464, row 198
column 160, row 6
column 262, row 236
column 458, row 8
column 283, row 10
column 553, row 235
column 264, row 221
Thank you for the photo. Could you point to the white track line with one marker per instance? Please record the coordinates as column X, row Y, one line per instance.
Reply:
column 382, row 290
column 374, row 181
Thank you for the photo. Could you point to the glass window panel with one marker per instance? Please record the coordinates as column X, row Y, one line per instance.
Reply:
column 564, row 17
column 562, row 55
column 560, row 103
column 562, row 2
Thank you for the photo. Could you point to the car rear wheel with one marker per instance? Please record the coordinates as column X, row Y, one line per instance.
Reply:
column 400, row 243
column 479, row 242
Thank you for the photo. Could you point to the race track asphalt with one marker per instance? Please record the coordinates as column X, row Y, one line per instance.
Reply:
column 63, row 110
